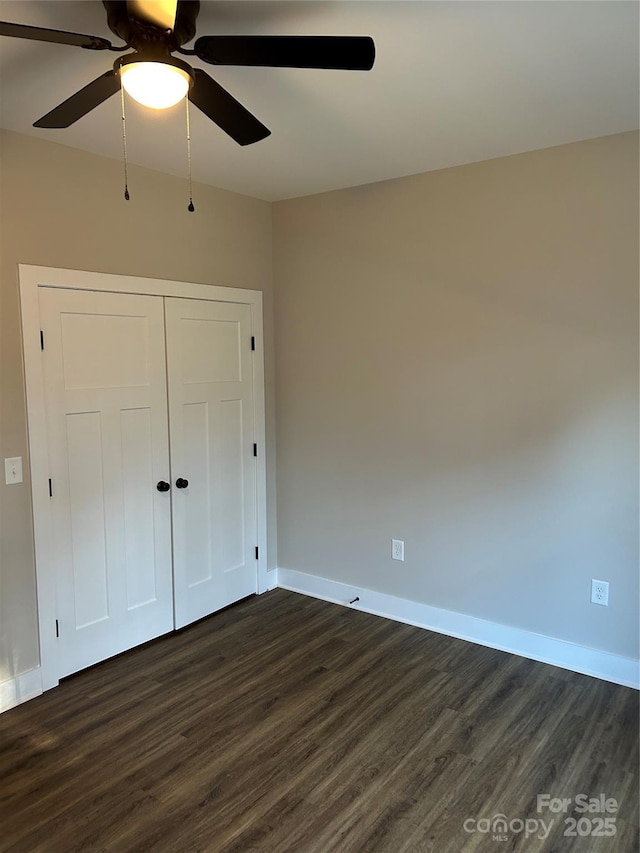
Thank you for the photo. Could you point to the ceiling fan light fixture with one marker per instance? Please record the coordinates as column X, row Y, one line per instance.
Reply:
column 155, row 83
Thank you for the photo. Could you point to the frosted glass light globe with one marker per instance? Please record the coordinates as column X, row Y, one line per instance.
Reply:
column 155, row 84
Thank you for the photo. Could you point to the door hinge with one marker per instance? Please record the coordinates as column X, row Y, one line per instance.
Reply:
column 257, row 552
column 255, row 449
column 57, row 629
column 253, row 342
column 50, row 488
column 41, row 339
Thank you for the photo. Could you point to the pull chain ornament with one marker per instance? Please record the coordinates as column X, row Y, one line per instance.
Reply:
column 124, row 145
column 190, row 206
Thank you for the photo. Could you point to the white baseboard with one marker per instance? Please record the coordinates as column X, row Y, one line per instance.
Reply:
column 599, row 664
column 19, row 689
column 272, row 579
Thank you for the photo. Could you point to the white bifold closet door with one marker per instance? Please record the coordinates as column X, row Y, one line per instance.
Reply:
column 106, row 399
column 134, row 554
column 210, row 383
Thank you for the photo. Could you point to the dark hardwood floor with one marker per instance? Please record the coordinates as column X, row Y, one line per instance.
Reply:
column 289, row 724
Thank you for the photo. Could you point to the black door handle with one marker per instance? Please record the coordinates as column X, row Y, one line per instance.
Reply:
column 163, row 486
column 181, row 483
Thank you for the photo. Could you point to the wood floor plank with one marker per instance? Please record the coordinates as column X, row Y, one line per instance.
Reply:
column 288, row 724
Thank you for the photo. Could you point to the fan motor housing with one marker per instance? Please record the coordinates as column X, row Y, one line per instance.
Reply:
column 141, row 35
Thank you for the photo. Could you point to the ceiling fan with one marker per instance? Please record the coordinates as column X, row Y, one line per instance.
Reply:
column 155, row 30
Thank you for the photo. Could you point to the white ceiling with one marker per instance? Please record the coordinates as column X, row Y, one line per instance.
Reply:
column 453, row 82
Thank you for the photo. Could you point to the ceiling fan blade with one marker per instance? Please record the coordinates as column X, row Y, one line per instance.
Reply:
column 355, row 53
column 57, row 36
column 158, row 13
column 82, row 102
column 223, row 109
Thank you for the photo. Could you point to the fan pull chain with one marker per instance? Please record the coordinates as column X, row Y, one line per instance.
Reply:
column 190, row 206
column 124, row 145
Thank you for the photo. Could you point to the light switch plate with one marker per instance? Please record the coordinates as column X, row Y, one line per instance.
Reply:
column 13, row 470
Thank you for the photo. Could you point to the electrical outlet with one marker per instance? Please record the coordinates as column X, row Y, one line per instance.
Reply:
column 397, row 549
column 600, row 592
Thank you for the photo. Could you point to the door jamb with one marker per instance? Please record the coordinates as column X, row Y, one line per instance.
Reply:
column 31, row 278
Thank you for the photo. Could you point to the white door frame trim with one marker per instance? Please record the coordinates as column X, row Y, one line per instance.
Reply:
column 33, row 277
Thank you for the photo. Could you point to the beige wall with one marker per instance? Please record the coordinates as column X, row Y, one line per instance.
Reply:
column 457, row 366
column 64, row 208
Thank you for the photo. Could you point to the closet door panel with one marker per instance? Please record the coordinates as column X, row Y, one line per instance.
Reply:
column 139, row 517
column 194, row 457
column 105, row 387
column 211, row 418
